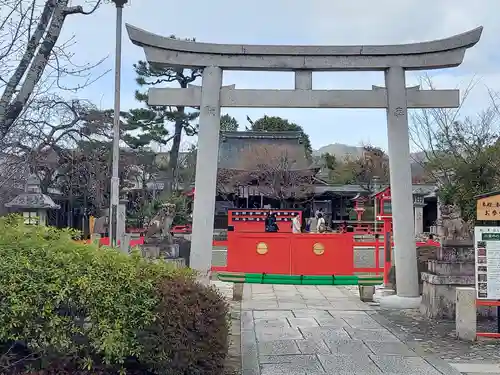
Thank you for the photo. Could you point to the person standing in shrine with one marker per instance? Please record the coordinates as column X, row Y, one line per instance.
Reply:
column 271, row 225
column 296, row 224
column 321, row 225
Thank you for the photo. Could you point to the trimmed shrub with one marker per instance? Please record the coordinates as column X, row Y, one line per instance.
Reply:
column 190, row 336
column 64, row 301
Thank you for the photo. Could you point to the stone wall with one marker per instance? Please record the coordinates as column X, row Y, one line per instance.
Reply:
column 454, row 267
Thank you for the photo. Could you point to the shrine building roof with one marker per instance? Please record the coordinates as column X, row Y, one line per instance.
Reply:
column 242, row 150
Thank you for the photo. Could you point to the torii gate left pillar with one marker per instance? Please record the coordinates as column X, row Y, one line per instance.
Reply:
column 395, row 98
column 206, row 173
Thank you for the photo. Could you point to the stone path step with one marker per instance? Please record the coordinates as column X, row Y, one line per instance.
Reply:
column 312, row 330
column 477, row 368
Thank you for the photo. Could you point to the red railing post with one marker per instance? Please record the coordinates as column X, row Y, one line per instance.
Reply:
column 387, row 250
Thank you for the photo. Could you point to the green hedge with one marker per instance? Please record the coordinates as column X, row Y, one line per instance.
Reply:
column 76, row 306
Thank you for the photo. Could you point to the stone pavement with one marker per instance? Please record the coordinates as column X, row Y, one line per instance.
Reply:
column 310, row 330
column 226, row 289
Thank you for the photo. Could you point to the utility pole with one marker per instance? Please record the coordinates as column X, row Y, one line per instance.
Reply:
column 115, row 178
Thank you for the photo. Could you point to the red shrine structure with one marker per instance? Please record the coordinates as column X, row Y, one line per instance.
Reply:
column 358, row 250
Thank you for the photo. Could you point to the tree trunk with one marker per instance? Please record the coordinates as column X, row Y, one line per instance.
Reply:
column 174, row 155
column 36, row 69
column 27, row 58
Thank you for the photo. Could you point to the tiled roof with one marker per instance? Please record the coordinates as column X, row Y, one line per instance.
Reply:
column 241, row 150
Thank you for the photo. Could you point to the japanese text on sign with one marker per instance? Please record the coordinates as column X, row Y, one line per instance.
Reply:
column 490, row 237
column 488, row 208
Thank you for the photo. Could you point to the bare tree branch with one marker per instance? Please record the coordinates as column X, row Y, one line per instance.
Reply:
column 275, row 172
column 29, row 49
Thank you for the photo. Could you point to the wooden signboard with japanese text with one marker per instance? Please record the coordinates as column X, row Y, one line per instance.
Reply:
column 488, row 207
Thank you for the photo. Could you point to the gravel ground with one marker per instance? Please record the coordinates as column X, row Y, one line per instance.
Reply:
column 438, row 337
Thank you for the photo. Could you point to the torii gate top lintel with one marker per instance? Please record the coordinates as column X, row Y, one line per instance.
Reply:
column 436, row 54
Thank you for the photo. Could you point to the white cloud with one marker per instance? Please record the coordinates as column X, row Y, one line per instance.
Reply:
column 301, row 22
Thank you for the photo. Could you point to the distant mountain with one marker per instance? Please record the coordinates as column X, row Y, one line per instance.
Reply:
column 340, row 151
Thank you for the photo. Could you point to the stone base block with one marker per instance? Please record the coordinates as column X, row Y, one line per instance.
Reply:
column 396, row 302
column 176, row 262
column 439, row 293
column 150, row 251
column 446, row 268
column 238, row 291
column 456, row 251
column 439, row 296
column 466, row 315
column 366, row 292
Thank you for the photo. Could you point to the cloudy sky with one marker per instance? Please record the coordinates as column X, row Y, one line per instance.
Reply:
column 327, row 22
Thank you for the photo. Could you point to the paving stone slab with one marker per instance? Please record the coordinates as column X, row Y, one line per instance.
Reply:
column 308, row 313
column 442, row 366
column 349, row 365
column 299, row 359
column 309, row 295
column 347, row 347
column 248, row 337
column 259, row 305
column 303, row 322
column 290, row 369
column 330, row 321
column 294, row 299
column 279, row 347
column 319, row 307
column 361, row 322
column 287, row 294
column 264, row 295
column 246, row 316
column 312, row 346
column 324, row 332
column 247, row 322
column 261, row 289
column 292, row 364
column 483, row 368
column 249, row 356
column 390, row 348
column 277, row 333
column 347, row 312
column 272, row 314
column 393, row 364
column 371, row 335
column 271, row 323
column 317, row 302
column 250, row 371
column 291, row 305
column 346, row 306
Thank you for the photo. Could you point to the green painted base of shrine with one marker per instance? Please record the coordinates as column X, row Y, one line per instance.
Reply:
column 266, row 278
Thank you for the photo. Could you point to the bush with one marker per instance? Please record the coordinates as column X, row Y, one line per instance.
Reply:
column 65, row 305
column 191, row 333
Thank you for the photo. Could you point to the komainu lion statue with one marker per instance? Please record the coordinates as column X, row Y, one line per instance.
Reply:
column 159, row 226
column 452, row 226
column 158, row 239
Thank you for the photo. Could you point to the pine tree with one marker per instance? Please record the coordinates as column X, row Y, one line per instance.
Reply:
column 228, row 123
column 153, row 119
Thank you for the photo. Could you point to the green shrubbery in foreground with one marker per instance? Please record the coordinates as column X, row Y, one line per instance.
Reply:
column 68, row 308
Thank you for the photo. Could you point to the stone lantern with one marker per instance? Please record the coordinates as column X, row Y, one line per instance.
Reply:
column 359, row 205
column 418, row 209
column 32, row 203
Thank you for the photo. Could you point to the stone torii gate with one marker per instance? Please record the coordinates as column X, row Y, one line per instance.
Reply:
column 396, row 98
